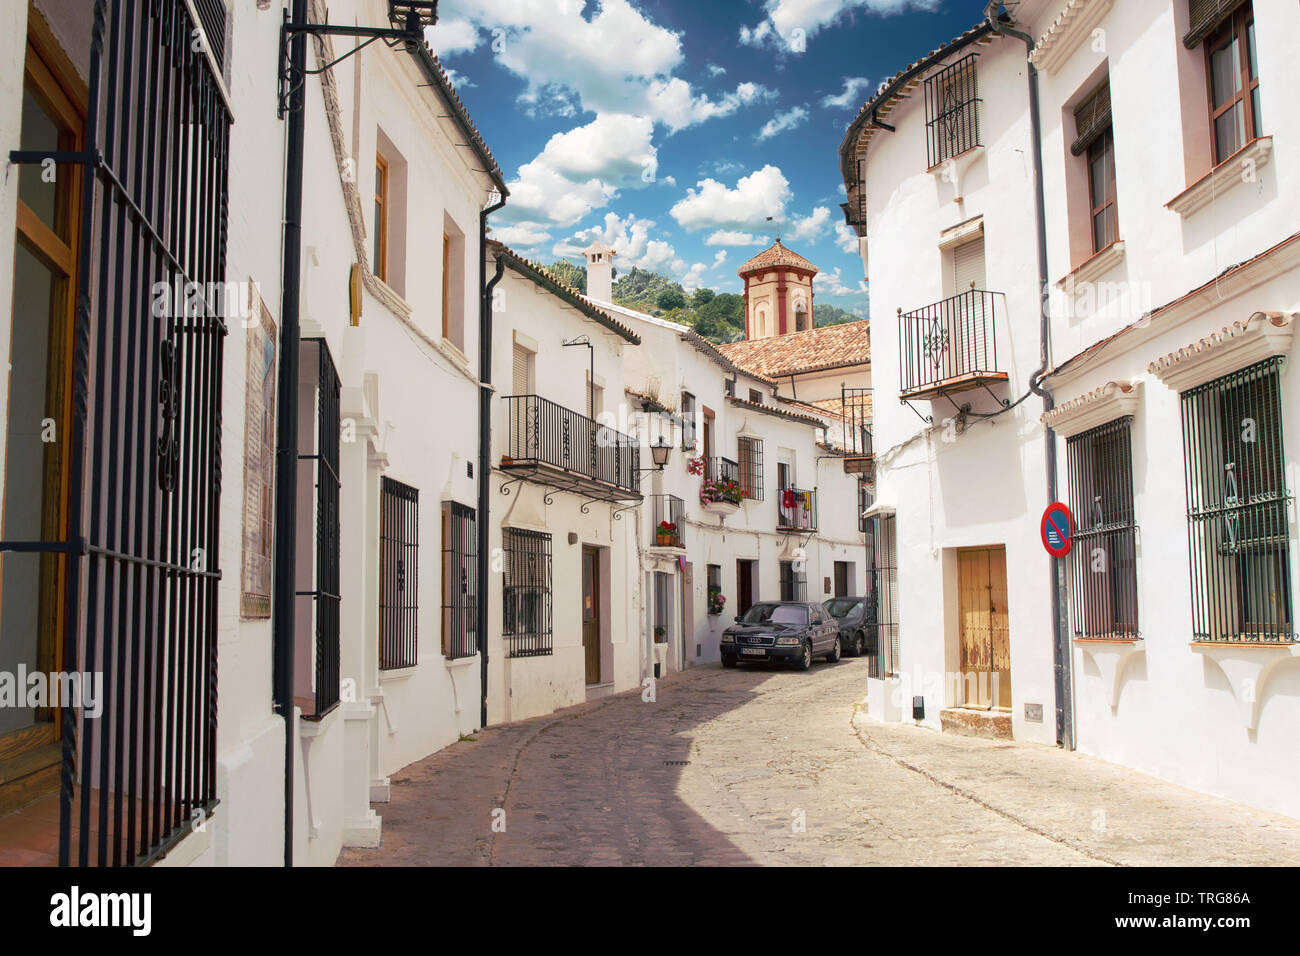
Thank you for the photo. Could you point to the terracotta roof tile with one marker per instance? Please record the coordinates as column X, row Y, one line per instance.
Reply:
column 780, row 356
column 776, row 255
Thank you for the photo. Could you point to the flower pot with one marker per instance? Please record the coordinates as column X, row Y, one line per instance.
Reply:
column 664, row 539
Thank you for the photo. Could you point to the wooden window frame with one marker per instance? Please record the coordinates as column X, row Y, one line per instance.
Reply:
column 380, row 248
column 446, row 285
column 1105, row 144
column 1236, row 27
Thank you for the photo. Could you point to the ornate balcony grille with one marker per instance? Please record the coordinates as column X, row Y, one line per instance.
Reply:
column 1104, row 555
column 952, row 120
column 542, row 433
column 670, row 509
column 722, row 469
column 1237, row 507
column 796, row 509
column 951, row 341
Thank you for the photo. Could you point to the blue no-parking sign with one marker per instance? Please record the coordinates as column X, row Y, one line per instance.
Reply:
column 1058, row 529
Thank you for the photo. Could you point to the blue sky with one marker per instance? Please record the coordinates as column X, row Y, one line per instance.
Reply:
column 671, row 129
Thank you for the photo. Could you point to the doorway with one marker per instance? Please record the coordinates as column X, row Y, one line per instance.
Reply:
column 985, row 636
column 841, row 579
column 591, row 613
column 744, row 585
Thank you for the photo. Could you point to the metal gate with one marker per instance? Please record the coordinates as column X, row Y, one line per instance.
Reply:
column 145, row 444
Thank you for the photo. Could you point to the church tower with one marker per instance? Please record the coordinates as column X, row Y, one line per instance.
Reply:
column 778, row 292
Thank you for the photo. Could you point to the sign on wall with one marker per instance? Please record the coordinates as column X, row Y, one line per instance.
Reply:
column 259, row 460
column 1057, row 529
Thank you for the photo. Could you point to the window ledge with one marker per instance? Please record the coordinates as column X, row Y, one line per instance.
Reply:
column 1095, row 266
column 1222, row 177
column 1261, row 336
column 1111, row 656
column 1248, row 666
column 455, row 352
column 1105, row 404
column 455, row 663
column 390, row 674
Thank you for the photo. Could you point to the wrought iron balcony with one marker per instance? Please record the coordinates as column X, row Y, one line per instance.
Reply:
column 859, row 447
column 949, row 346
column 667, row 521
column 796, row 509
column 722, row 469
column 556, row 446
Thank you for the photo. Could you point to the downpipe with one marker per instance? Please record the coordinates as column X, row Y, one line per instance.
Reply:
column 484, row 446
column 1060, row 639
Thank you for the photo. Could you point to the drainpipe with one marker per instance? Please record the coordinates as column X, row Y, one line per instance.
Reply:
column 1060, row 641
column 286, row 451
column 484, row 443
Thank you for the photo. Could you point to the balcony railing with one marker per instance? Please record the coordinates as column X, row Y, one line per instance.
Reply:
column 722, row 469
column 667, row 521
column 796, row 509
column 544, row 436
column 949, row 345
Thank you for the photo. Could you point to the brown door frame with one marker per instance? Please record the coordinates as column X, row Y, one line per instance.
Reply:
column 591, row 621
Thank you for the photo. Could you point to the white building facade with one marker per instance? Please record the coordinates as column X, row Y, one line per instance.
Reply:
column 1172, row 287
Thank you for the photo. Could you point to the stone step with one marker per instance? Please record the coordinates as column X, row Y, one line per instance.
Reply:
column 976, row 723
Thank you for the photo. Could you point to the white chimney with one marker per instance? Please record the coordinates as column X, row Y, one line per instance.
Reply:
column 600, row 272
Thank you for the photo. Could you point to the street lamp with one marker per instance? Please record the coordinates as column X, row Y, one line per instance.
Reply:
column 413, row 15
column 660, row 451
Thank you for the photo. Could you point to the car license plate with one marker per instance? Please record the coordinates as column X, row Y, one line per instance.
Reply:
column 756, row 651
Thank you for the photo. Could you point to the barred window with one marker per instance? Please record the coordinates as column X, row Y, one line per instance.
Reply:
column 952, row 111
column 459, row 581
column 1104, row 555
column 794, row 583
column 1237, row 503
column 399, row 512
column 526, row 592
column 688, row 422
column 751, row 467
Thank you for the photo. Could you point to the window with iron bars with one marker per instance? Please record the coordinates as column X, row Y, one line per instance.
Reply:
column 526, row 592
column 794, row 583
column 399, row 552
column 1237, row 505
column 952, row 111
column 318, row 473
column 881, row 617
column 1104, row 554
column 688, row 422
column 751, row 467
column 459, row 581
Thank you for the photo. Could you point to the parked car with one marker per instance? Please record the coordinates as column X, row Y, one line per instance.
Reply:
column 857, row 634
column 782, row 632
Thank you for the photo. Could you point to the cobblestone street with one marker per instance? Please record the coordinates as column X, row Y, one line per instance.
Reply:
column 776, row 767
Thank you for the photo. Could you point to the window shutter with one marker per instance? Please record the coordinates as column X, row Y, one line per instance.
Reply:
column 1204, row 18
column 968, row 267
column 1092, row 118
column 521, row 371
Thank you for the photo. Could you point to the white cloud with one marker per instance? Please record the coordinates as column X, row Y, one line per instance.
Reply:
column 832, row 283
column 713, row 205
column 719, row 257
column 846, row 239
column 525, row 236
column 732, row 237
column 812, row 227
column 782, row 121
column 630, row 239
column 715, row 70
column 694, row 277
column 789, row 24
column 849, row 96
column 452, row 35
column 458, row 80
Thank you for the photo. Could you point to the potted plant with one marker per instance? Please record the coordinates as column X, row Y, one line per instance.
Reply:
column 666, row 534
column 661, row 635
column 717, row 600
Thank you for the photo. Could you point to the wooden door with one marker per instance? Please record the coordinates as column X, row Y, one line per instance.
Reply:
column 688, row 609
column 985, row 632
column 591, row 611
column 841, row 579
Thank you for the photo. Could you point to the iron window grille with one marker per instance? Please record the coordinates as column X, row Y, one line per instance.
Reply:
column 796, row 509
column 689, row 426
column 399, row 556
column 950, row 339
column 321, row 468
column 952, row 111
column 865, row 500
column 671, row 510
column 750, row 467
column 459, row 581
column 140, row 552
column 1104, row 555
column 881, row 615
column 793, row 582
column 722, row 469
column 1237, row 507
column 526, row 592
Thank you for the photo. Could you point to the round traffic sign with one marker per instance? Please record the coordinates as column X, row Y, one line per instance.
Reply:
column 1057, row 529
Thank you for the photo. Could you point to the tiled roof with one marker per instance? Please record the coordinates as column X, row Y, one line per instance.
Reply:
column 569, row 294
column 779, row 356
column 776, row 410
column 776, row 255
column 860, row 406
column 434, row 70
